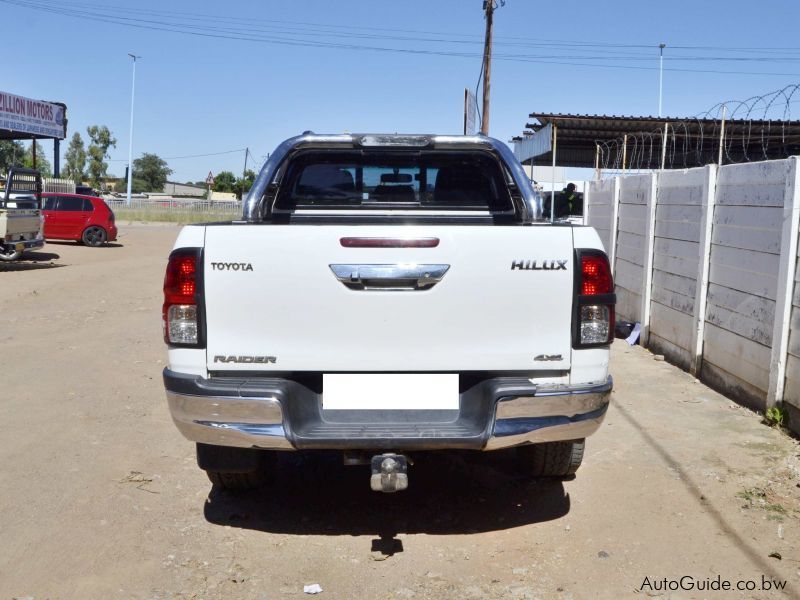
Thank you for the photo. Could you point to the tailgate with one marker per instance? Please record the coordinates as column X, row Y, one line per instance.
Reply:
column 292, row 298
column 19, row 221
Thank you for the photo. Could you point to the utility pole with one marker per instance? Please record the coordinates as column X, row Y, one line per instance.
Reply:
column 660, row 76
column 130, row 142
column 488, row 7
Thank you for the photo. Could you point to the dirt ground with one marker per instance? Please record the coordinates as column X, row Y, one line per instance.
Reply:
column 101, row 496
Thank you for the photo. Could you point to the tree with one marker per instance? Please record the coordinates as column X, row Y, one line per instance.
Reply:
column 11, row 153
column 42, row 164
column 225, row 181
column 101, row 141
column 75, row 167
column 243, row 185
column 153, row 170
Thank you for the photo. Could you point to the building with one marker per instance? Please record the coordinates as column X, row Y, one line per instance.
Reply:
column 185, row 190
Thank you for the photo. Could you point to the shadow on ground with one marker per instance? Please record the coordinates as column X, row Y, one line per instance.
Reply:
column 74, row 243
column 31, row 261
column 313, row 493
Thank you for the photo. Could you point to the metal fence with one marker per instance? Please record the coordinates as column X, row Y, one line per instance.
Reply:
column 58, row 186
column 174, row 209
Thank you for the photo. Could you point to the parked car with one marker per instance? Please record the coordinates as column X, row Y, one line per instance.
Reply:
column 86, row 219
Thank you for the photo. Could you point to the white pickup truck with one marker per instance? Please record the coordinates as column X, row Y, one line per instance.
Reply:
column 385, row 295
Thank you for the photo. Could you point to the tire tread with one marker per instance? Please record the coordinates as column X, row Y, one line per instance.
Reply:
column 553, row 459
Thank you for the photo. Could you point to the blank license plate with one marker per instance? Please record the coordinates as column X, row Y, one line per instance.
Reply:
column 378, row 391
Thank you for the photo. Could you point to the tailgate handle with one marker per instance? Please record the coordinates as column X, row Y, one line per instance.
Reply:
column 398, row 277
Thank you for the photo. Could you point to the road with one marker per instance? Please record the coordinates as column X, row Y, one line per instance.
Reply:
column 101, row 497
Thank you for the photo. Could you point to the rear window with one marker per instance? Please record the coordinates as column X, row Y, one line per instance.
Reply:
column 71, row 204
column 377, row 180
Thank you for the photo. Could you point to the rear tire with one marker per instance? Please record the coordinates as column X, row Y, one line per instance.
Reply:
column 234, row 469
column 94, row 236
column 552, row 459
column 235, row 482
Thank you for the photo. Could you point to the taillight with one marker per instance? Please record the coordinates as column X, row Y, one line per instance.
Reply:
column 595, row 300
column 181, row 314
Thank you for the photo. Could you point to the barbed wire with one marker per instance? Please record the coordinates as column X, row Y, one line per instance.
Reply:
column 757, row 128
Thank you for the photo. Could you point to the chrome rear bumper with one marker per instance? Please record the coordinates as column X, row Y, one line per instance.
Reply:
column 280, row 414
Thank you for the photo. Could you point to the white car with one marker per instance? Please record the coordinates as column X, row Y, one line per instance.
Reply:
column 385, row 295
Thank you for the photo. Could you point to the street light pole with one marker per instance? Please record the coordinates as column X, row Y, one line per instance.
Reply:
column 660, row 75
column 130, row 143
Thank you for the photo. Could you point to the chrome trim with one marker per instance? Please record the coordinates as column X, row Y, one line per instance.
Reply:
column 230, row 421
column 397, row 277
column 530, row 209
column 553, row 414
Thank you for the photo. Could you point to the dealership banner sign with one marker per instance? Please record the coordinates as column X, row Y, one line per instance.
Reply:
column 31, row 117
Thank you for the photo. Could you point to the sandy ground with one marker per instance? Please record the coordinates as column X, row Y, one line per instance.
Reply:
column 101, row 497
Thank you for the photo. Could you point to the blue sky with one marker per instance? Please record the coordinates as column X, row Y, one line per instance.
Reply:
column 198, row 95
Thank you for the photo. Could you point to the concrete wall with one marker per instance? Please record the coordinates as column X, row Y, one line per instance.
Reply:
column 792, row 389
column 743, row 281
column 682, row 198
column 601, row 201
column 632, row 244
column 707, row 260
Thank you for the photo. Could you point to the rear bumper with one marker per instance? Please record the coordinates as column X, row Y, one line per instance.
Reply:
column 25, row 244
column 282, row 414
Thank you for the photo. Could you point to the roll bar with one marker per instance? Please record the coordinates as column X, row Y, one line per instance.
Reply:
column 529, row 209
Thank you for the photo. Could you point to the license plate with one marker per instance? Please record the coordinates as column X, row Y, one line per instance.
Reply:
column 381, row 391
column 19, row 247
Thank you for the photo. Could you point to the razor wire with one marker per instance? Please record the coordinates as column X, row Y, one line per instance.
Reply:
column 753, row 129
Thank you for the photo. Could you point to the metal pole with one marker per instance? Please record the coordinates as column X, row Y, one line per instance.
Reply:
column 487, row 65
column 130, row 143
column 664, row 147
column 56, row 158
column 660, row 75
column 722, row 134
column 597, row 162
column 244, row 171
column 553, row 197
column 33, row 151
column 624, row 151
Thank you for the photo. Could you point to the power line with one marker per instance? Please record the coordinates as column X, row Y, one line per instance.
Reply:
column 187, row 155
column 232, row 33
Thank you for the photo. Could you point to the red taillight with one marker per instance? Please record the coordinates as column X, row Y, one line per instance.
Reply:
column 180, row 314
column 595, row 302
column 180, row 282
column 595, row 275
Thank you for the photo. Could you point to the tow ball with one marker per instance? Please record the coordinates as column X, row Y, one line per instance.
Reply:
column 389, row 473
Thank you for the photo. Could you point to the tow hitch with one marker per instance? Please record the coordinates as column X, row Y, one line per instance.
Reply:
column 389, row 473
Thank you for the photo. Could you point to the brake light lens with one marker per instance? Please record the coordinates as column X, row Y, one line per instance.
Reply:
column 180, row 314
column 595, row 301
column 596, row 275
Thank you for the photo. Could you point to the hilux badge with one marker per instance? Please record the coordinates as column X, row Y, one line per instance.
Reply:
column 548, row 357
column 537, row 265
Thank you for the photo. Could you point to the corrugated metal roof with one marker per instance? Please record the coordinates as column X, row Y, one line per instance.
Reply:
column 691, row 141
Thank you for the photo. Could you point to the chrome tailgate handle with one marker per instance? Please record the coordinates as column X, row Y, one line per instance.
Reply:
column 397, row 277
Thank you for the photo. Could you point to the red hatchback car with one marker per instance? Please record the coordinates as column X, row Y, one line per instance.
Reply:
column 87, row 219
